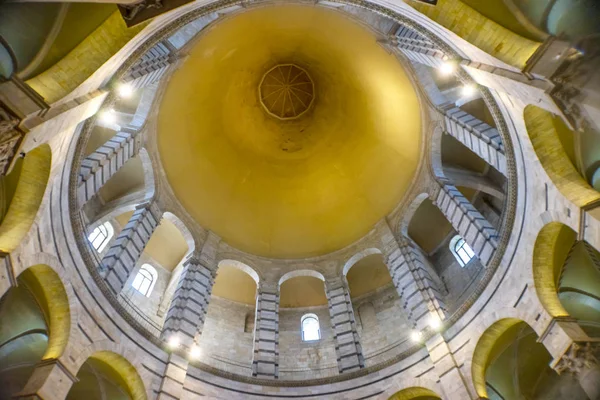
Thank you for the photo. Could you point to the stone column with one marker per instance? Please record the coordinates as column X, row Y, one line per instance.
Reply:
column 347, row 343
column 418, row 292
column 127, row 248
column 265, row 361
column 97, row 168
column 580, row 362
column 477, row 136
column 171, row 386
column 187, row 312
column 50, row 380
column 151, row 66
column 466, row 220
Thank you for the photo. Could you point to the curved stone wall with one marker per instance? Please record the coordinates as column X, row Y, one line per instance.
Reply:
column 442, row 364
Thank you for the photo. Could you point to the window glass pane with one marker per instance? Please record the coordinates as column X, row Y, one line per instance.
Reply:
column 137, row 282
column 463, row 255
column 145, row 286
column 310, row 329
column 469, row 250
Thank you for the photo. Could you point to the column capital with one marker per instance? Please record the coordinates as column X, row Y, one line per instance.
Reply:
column 266, row 286
column 579, row 357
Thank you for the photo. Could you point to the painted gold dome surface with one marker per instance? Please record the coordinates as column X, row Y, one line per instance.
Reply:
column 289, row 187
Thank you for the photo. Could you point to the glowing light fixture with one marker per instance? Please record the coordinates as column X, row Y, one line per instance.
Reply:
column 447, row 68
column 435, row 322
column 108, row 116
column 416, row 336
column 468, row 90
column 173, row 342
column 195, row 352
column 125, row 90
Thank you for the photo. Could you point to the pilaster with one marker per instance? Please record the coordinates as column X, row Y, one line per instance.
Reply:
column 418, row 292
column 481, row 236
column 151, row 66
column 187, row 312
column 347, row 342
column 477, row 136
column 451, row 378
column 97, row 168
column 265, row 361
column 127, row 248
column 171, row 386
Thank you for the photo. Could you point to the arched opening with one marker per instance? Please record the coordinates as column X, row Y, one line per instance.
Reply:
column 106, row 375
column 27, row 196
column 311, row 330
column 415, row 393
column 430, row 230
column 35, row 325
column 461, row 250
column 380, row 319
column 510, row 363
column 230, row 319
column 145, row 279
column 149, row 288
column 556, row 148
column 101, row 236
column 305, row 330
column 566, row 275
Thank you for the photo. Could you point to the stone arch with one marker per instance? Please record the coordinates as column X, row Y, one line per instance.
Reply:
column 482, row 356
column 436, row 151
column 411, row 210
column 149, row 181
column 357, row 257
column 185, row 232
column 517, row 329
column 242, row 267
column 128, row 368
column 27, row 199
column 546, row 142
column 50, row 292
column 415, row 393
column 301, row 272
column 550, row 251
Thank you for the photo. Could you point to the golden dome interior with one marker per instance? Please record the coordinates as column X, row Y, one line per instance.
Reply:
column 289, row 187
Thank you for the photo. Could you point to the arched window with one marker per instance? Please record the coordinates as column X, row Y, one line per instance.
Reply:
column 310, row 328
column 101, row 235
column 461, row 250
column 145, row 279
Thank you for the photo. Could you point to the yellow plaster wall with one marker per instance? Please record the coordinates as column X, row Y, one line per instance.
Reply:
column 27, row 198
column 415, row 393
column 303, row 291
column 126, row 374
column 480, row 31
column 542, row 127
column 79, row 64
column 235, row 285
column 49, row 292
column 551, row 249
column 367, row 275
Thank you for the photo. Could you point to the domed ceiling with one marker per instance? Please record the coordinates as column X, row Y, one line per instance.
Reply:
column 289, row 131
